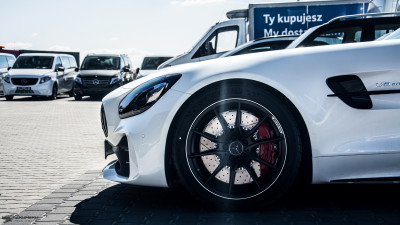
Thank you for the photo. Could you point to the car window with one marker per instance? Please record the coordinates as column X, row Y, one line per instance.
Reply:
column 152, row 63
column 264, row 46
column 58, row 62
column 101, row 63
column 11, row 61
column 337, row 36
column 226, row 41
column 65, row 62
column 3, row 61
column 383, row 29
column 72, row 62
column 222, row 40
column 34, row 62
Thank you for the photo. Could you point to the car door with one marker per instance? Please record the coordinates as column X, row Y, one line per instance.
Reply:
column 221, row 38
column 71, row 73
column 59, row 74
column 67, row 71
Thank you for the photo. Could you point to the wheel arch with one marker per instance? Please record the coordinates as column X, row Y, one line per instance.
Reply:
column 306, row 170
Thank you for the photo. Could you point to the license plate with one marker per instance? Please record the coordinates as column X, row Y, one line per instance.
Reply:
column 23, row 88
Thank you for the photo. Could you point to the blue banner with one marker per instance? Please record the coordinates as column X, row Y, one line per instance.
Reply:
column 295, row 20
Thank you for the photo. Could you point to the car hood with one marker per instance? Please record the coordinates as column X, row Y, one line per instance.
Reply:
column 29, row 72
column 98, row 72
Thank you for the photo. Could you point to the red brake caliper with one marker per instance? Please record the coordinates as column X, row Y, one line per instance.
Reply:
column 267, row 151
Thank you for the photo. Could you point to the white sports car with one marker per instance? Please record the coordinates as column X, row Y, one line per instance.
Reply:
column 238, row 131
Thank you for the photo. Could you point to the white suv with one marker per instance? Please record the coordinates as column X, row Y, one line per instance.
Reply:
column 41, row 74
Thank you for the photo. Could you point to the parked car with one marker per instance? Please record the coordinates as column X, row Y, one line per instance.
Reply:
column 102, row 73
column 262, row 45
column 6, row 61
column 41, row 74
column 150, row 64
column 349, row 29
column 238, row 131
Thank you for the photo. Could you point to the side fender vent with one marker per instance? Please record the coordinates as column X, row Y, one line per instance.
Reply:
column 351, row 90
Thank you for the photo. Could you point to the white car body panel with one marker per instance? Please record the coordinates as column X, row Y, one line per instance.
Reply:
column 347, row 143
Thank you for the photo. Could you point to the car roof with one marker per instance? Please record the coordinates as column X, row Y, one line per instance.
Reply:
column 45, row 54
column 7, row 54
column 366, row 16
column 106, row 54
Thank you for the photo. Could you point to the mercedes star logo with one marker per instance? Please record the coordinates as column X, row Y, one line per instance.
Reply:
column 96, row 82
column 236, row 148
column 24, row 81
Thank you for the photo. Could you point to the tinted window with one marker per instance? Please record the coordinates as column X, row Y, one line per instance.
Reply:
column 101, row 63
column 151, row 63
column 65, row 62
column 11, row 61
column 72, row 62
column 34, row 62
column 264, row 46
column 337, row 36
column 383, row 29
column 3, row 62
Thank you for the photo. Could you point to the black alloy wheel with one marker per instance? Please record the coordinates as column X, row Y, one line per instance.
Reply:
column 237, row 148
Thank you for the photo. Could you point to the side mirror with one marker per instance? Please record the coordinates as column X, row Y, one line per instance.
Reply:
column 60, row 69
column 76, row 69
column 9, row 68
column 137, row 70
column 125, row 69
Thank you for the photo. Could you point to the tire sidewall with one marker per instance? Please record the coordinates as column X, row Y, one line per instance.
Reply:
column 197, row 103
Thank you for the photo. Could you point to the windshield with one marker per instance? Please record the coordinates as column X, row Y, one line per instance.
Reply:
column 34, row 62
column 101, row 63
column 151, row 63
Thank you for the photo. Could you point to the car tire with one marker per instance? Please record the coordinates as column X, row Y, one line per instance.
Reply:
column 236, row 163
column 53, row 95
column 71, row 92
column 9, row 97
column 78, row 97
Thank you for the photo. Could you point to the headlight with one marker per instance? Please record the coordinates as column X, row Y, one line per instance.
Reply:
column 78, row 80
column 145, row 95
column 7, row 79
column 115, row 79
column 44, row 79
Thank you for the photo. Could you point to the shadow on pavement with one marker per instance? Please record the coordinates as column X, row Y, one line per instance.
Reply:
column 315, row 204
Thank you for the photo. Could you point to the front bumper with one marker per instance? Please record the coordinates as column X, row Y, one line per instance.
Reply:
column 95, row 90
column 146, row 137
column 44, row 89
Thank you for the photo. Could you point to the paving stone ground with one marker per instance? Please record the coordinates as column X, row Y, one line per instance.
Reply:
column 50, row 173
column 45, row 145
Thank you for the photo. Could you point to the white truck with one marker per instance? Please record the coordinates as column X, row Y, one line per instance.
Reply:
column 272, row 19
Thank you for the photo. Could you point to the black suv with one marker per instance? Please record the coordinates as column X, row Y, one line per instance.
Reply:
column 101, row 73
column 349, row 29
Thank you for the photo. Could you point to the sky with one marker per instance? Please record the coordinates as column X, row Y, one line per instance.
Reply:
column 137, row 28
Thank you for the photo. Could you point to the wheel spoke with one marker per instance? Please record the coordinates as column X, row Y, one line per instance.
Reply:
column 238, row 120
column 205, row 153
column 264, row 141
column 232, row 176
column 255, row 128
column 221, row 120
column 255, row 158
column 253, row 175
column 216, row 171
column 206, row 135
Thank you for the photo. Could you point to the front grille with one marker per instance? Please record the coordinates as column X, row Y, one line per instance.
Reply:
column 24, row 81
column 96, row 81
column 104, row 121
